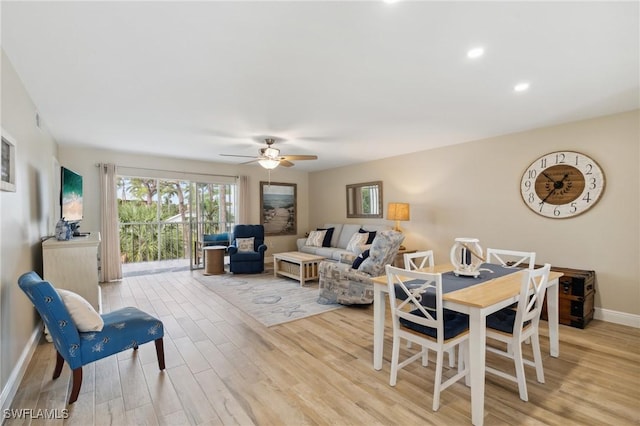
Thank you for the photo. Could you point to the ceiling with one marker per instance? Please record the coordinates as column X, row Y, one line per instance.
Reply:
column 347, row 81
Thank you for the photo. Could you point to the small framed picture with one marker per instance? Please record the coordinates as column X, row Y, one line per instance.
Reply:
column 8, row 178
column 278, row 208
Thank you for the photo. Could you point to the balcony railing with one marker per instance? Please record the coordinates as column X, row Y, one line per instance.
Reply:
column 153, row 241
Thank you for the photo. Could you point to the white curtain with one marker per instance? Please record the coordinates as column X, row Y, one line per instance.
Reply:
column 109, row 229
column 243, row 200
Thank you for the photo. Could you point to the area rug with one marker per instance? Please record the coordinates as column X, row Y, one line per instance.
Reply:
column 268, row 299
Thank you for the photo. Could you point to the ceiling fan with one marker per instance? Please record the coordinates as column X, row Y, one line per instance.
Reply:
column 270, row 157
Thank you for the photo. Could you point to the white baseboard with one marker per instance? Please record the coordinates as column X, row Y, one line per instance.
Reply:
column 617, row 317
column 10, row 389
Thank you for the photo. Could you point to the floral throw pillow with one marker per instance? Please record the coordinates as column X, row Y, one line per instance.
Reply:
column 245, row 245
column 315, row 238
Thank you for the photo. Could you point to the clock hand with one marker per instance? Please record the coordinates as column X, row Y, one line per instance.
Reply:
column 548, row 177
column 556, row 185
column 548, row 195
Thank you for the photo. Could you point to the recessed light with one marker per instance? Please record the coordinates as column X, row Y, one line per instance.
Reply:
column 521, row 87
column 476, row 52
column 391, row 1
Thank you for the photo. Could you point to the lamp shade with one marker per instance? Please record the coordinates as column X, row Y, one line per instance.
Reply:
column 398, row 211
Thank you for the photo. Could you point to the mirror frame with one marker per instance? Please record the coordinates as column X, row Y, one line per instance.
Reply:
column 353, row 211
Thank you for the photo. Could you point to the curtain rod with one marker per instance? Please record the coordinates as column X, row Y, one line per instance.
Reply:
column 171, row 171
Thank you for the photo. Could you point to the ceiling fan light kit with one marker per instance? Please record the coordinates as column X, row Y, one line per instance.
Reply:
column 269, row 163
column 270, row 157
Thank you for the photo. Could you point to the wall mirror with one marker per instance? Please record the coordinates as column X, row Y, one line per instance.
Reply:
column 364, row 200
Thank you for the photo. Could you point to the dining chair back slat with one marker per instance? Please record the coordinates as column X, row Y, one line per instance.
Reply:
column 511, row 258
column 418, row 260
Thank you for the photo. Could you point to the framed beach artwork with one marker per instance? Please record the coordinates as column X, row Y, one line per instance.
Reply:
column 278, row 202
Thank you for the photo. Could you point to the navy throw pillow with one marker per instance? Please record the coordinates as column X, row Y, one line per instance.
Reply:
column 327, row 237
column 361, row 257
column 372, row 235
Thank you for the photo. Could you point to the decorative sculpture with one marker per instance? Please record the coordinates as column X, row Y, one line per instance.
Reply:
column 466, row 257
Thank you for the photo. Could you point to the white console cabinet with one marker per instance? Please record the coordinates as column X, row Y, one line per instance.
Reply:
column 73, row 265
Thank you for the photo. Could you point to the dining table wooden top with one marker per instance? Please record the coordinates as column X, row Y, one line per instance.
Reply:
column 486, row 293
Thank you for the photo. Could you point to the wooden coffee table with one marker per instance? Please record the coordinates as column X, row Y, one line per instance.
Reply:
column 297, row 265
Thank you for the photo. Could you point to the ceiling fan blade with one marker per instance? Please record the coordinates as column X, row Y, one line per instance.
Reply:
column 255, row 160
column 299, row 157
column 232, row 155
column 286, row 163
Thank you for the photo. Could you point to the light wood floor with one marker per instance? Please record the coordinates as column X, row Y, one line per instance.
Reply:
column 223, row 367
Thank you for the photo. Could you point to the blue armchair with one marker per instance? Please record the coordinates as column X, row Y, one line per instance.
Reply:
column 243, row 260
column 123, row 329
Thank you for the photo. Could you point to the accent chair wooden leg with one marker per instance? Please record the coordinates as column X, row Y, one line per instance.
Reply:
column 160, row 353
column 77, row 382
column 59, row 364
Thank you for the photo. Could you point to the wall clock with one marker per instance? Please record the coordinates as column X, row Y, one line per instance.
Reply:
column 562, row 184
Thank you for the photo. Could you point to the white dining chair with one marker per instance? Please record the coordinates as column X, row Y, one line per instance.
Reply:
column 416, row 261
column 511, row 258
column 427, row 324
column 514, row 326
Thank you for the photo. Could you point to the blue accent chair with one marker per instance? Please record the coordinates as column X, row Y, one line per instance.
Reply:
column 125, row 328
column 247, row 262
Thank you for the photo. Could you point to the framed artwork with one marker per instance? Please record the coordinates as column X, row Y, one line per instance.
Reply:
column 8, row 177
column 278, row 202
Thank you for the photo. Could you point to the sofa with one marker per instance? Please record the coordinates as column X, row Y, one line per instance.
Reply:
column 350, row 282
column 336, row 245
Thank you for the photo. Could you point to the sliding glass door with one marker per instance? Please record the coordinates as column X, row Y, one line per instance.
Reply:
column 162, row 220
column 213, row 207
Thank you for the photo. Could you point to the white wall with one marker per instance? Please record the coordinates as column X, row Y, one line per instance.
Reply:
column 472, row 190
column 25, row 217
column 84, row 160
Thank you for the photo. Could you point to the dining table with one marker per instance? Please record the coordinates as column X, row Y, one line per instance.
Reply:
column 478, row 301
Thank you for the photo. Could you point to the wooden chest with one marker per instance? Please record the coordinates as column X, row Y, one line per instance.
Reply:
column 576, row 292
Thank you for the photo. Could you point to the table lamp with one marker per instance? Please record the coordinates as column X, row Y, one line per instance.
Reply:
column 398, row 212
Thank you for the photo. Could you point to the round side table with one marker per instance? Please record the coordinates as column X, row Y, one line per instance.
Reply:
column 214, row 260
